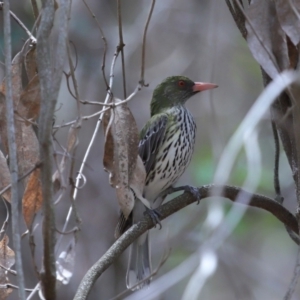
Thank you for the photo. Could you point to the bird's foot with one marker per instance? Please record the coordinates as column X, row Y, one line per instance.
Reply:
column 186, row 188
column 154, row 215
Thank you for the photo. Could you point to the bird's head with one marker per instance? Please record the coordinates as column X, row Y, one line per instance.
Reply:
column 176, row 90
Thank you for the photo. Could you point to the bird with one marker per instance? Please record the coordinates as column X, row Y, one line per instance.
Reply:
column 166, row 146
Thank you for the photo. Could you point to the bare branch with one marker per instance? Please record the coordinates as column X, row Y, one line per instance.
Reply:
column 279, row 197
column 50, row 79
column 104, row 41
column 142, row 80
column 32, row 38
column 121, row 46
column 13, row 164
column 229, row 192
column 48, row 277
column 35, row 9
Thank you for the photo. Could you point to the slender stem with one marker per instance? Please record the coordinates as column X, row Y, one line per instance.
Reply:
column 104, row 41
column 20, row 178
column 86, row 155
column 48, row 100
column 142, row 80
column 33, row 39
column 35, row 9
column 121, row 46
column 276, row 164
column 13, row 163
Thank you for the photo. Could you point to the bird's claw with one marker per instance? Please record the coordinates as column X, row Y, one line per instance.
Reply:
column 186, row 188
column 154, row 215
column 194, row 191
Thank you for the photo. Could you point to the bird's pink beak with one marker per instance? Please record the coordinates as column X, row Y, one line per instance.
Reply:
column 202, row 86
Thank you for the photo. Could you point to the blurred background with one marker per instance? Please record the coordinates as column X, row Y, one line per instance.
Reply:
column 197, row 39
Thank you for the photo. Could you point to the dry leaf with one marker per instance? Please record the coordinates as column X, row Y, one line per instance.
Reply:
column 33, row 198
column 121, row 152
column 5, row 177
column 7, row 260
column 30, row 63
column 289, row 21
column 26, row 140
column 30, row 100
column 266, row 39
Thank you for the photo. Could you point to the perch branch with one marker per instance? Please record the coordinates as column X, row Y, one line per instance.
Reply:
column 230, row 192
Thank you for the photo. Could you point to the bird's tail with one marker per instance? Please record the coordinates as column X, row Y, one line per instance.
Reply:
column 139, row 266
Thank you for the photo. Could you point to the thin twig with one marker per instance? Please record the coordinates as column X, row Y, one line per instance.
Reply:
column 79, row 176
column 153, row 273
column 13, row 162
column 109, row 106
column 9, row 285
column 72, row 72
column 35, row 9
column 121, row 46
column 171, row 207
column 37, row 165
column 104, row 41
column 142, row 80
column 32, row 38
column 13, row 272
column 279, row 197
column 36, row 289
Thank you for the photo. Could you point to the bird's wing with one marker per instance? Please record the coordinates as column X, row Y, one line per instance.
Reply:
column 151, row 137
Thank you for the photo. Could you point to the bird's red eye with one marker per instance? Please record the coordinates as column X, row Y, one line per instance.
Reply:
column 181, row 83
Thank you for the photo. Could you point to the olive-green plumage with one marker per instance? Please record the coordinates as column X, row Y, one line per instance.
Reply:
column 166, row 147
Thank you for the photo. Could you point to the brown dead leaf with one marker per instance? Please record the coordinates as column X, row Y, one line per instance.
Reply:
column 109, row 157
column 26, row 140
column 121, row 152
column 5, row 177
column 7, row 260
column 31, row 100
column 266, row 39
column 30, row 63
column 289, row 21
column 32, row 198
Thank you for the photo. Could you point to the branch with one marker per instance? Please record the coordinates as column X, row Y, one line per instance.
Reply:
column 32, row 38
column 142, row 80
column 48, row 101
column 230, row 192
column 121, row 46
column 104, row 42
column 13, row 162
column 50, row 74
